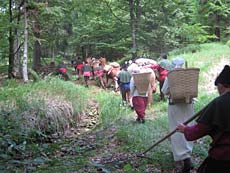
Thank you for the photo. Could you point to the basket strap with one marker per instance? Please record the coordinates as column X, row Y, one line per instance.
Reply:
column 173, row 102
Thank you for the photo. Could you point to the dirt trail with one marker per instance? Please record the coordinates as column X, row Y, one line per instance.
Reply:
column 212, row 73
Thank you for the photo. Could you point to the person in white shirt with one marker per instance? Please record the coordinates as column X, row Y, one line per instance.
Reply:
column 179, row 113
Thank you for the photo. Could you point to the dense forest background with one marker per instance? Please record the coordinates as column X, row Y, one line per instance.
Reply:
column 34, row 30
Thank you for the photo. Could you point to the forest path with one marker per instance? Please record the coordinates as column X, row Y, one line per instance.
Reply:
column 99, row 149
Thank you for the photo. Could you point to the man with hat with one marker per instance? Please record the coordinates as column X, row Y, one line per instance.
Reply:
column 215, row 122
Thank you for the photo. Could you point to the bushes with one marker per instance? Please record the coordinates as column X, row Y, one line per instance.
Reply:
column 40, row 109
column 195, row 33
column 30, row 114
column 228, row 43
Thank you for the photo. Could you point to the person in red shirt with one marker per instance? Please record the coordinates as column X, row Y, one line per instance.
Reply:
column 162, row 69
column 215, row 122
column 61, row 67
column 87, row 72
column 62, row 70
column 78, row 67
column 99, row 72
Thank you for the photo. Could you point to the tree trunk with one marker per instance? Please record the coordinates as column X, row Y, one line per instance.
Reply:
column 133, row 28
column 25, row 54
column 82, row 52
column 11, row 44
column 138, row 15
column 17, row 61
column 36, row 64
column 37, row 52
column 217, row 27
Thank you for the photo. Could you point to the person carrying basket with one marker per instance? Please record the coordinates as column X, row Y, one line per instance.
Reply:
column 178, row 112
column 215, row 122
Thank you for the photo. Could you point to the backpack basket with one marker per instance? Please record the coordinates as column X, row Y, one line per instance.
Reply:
column 183, row 84
column 142, row 81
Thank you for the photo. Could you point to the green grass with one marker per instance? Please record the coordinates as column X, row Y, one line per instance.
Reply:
column 45, row 88
column 25, row 117
column 208, row 56
column 109, row 108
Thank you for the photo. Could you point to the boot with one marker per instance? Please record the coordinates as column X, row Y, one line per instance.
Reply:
column 178, row 167
column 123, row 103
column 138, row 119
column 188, row 165
column 143, row 120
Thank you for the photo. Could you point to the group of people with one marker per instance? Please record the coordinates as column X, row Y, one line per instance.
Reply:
column 213, row 121
column 129, row 92
column 86, row 69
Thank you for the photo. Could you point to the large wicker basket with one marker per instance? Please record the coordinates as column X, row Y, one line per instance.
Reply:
column 183, row 83
column 142, row 81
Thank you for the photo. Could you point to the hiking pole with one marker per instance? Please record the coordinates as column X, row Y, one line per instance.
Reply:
column 172, row 132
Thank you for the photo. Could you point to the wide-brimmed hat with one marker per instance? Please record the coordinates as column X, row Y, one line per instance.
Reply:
column 166, row 64
column 224, row 76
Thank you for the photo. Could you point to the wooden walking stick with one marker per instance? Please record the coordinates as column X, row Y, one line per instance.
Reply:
column 174, row 131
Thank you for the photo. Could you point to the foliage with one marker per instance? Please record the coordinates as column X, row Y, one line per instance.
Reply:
column 34, row 75
column 195, row 33
column 228, row 43
column 215, row 14
column 34, row 111
column 102, row 28
column 191, row 48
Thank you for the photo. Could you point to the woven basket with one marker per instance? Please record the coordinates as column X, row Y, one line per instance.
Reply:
column 183, row 83
column 142, row 81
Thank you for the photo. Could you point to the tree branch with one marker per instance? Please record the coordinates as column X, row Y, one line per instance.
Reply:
column 110, row 9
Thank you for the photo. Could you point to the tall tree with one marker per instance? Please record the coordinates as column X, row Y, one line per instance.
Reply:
column 18, row 44
column 133, row 25
column 215, row 14
column 11, row 42
column 35, row 10
column 25, row 54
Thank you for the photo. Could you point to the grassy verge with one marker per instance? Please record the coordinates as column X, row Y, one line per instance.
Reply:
column 30, row 113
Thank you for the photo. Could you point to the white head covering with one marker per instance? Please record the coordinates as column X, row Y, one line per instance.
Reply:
column 132, row 67
column 178, row 62
column 130, row 61
column 136, row 70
